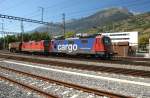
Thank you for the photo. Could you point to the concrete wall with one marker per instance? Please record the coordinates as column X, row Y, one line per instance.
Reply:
column 131, row 37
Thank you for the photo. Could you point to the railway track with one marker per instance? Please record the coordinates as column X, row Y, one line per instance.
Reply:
column 47, row 95
column 130, row 72
column 42, row 84
column 135, row 61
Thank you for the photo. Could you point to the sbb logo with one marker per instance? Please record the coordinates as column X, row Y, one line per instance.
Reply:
column 68, row 47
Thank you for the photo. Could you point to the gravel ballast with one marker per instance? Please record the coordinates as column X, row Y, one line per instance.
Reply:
column 128, row 89
column 50, row 88
column 9, row 90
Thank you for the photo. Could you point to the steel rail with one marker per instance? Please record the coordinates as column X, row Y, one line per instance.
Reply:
column 47, row 95
column 71, row 85
column 131, row 72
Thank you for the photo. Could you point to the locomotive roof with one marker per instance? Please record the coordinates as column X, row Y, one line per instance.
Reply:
column 76, row 37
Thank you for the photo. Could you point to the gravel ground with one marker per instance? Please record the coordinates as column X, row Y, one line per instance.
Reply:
column 119, row 76
column 128, row 89
column 9, row 90
column 51, row 88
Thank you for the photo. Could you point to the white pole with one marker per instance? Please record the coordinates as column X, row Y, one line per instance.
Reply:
column 149, row 48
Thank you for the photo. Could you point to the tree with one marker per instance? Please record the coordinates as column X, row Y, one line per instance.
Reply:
column 35, row 36
column 11, row 38
column 45, row 36
column 69, row 34
column 26, row 37
column 144, row 39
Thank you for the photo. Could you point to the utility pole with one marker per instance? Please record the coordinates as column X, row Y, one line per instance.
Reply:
column 48, row 29
column 3, row 34
column 22, row 30
column 42, row 13
column 64, row 24
column 149, row 47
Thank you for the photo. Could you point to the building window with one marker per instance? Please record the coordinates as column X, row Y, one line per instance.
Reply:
column 120, row 38
column 124, row 34
column 106, row 40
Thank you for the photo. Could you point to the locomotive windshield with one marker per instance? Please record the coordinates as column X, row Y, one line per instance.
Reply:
column 106, row 40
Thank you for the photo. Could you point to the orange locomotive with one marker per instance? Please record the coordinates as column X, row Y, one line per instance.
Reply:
column 35, row 46
column 31, row 46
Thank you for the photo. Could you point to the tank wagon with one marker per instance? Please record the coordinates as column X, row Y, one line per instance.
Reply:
column 15, row 46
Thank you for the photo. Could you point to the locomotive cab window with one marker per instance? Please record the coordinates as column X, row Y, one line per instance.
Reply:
column 106, row 41
column 70, row 42
column 84, row 41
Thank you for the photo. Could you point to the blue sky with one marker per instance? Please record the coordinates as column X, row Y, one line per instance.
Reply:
column 53, row 10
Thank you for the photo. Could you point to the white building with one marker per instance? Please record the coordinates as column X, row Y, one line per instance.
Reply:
column 131, row 37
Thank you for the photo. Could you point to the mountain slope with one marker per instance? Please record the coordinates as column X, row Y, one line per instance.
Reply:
column 98, row 19
column 139, row 23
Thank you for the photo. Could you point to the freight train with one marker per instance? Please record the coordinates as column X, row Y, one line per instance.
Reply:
column 97, row 45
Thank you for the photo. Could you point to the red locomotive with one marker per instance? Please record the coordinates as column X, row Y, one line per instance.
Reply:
column 36, row 46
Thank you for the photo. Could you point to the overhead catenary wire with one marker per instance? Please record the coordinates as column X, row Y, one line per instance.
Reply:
column 55, row 5
column 78, row 13
column 75, row 5
column 81, row 12
column 68, row 14
column 87, row 11
column 30, row 13
column 52, row 6
column 129, row 5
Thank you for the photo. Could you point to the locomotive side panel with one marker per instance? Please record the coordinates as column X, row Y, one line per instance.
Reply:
column 26, row 47
column 78, row 46
column 72, row 46
column 99, row 46
column 38, row 46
